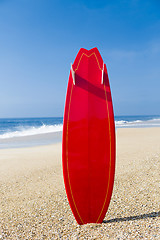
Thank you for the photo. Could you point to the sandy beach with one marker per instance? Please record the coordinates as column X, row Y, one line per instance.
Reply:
column 33, row 202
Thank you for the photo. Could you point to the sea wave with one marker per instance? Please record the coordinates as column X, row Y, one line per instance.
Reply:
column 23, row 131
column 30, row 131
column 138, row 123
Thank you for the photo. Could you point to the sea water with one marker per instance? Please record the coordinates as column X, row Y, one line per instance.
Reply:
column 26, row 132
column 22, row 132
column 20, row 127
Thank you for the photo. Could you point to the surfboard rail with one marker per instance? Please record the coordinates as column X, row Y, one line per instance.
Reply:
column 102, row 74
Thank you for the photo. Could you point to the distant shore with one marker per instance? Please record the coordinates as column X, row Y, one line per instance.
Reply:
column 33, row 202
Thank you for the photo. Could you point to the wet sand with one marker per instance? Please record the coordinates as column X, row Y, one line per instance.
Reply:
column 33, row 202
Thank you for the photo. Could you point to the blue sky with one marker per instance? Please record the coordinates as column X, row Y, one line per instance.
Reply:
column 40, row 38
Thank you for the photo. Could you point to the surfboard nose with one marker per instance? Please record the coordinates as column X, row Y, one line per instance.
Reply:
column 87, row 53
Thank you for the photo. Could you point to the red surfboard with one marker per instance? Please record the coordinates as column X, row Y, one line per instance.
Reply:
column 88, row 144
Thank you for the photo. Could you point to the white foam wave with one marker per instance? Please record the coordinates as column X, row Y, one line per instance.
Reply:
column 121, row 122
column 23, row 132
column 30, row 131
column 138, row 123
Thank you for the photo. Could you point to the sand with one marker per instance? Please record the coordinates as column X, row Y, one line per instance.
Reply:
column 33, row 202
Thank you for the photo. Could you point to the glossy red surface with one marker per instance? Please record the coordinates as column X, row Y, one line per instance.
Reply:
column 88, row 145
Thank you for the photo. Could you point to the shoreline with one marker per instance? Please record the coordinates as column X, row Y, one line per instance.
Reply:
column 45, row 139
column 34, row 205
column 31, row 141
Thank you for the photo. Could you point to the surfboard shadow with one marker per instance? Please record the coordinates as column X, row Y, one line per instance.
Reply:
column 87, row 86
column 133, row 218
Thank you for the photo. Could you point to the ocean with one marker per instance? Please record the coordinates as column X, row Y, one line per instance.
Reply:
column 22, row 132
